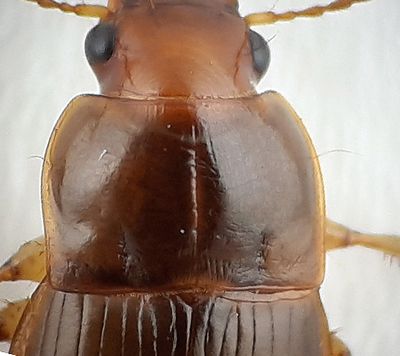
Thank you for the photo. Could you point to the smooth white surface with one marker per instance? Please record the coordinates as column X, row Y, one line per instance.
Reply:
column 342, row 75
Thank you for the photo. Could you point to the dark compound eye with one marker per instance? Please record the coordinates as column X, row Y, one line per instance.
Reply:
column 260, row 51
column 99, row 43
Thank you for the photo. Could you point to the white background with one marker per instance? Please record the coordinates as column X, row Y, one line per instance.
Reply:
column 342, row 75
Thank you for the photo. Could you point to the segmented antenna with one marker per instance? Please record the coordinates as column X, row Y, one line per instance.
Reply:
column 96, row 11
column 261, row 18
column 270, row 17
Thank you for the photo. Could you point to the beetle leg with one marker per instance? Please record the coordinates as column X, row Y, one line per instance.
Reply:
column 338, row 346
column 9, row 318
column 339, row 236
column 269, row 17
column 27, row 264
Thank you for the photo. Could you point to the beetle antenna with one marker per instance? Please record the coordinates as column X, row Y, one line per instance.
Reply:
column 85, row 10
column 270, row 17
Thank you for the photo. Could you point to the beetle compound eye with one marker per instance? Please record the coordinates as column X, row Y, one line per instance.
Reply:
column 100, row 43
column 260, row 52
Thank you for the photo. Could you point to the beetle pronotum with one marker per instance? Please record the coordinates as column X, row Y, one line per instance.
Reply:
column 315, row 26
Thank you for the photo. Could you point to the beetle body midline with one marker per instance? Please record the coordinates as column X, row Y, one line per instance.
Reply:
column 184, row 213
column 177, row 225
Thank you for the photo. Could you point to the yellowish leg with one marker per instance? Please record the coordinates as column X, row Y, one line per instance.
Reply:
column 338, row 347
column 29, row 263
column 9, row 318
column 339, row 236
column 269, row 17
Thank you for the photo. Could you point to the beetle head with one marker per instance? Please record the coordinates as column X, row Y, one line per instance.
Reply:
column 180, row 48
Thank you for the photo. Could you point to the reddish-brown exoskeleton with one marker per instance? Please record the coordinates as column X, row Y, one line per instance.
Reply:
column 184, row 212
